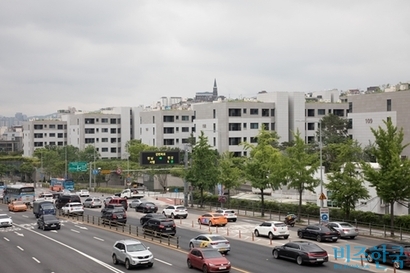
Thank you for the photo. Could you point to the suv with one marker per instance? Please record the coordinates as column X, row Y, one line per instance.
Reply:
column 111, row 207
column 67, row 198
column 229, row 214
column 116, row 215
column 161, row 226
column 175, row 212
column 148, row 216
column 132, row 253
column 119, row 200
column 92, row 202
column 73, row 208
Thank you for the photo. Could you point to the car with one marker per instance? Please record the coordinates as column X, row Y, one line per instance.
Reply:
column 116, row 215
column 135, row 203
column 397, row 254
column 111, row 207
column 83, row 193
column 119, row 200
column 48, row 221
column 212, row 219
column 148, row 216
column 92, row 202
column 156, row 226
column 47, row 196
column 132, row 253
column 214, row 241
column 17, row 206
column 73, row 208
column 107, row 199
column 345, row 229
column 146, row 207
column 229, row 214
column 175, row 212
column 319, row 233
column 208, row 260
column 302, row 252
column 5, row 221
column 272, row 229
column 67, row 198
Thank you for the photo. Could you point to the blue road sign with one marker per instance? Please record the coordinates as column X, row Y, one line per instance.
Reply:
column 324, row 215
column 96, row 171
column 176, row 190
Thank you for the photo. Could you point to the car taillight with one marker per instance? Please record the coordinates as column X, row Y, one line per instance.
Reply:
column 114, row 216
column 356, row 229
column 161, row 226
column 214, row 243
column 327, row 233
column 173, row 225
column 226, row 214
column 345, row 230
column 176, row 210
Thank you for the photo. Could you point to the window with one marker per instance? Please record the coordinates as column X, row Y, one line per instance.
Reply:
column 265, row 112
column 389, row 105
column 153, row 119
column 113, row 130
column 244, row 125
column 38, row 135
column 339, row 112
column 234, row 140
column 104, row 130
column 272, row 112
column 104, row 150
column 113, row 140
column 245, row 139
column 60, row 127
column 38, row 144
column 113, row 150
column 214, row 127
column 184, row 140
column 311, row 126
column 272, row 126
column 254, row 139
column 52, row 135
column 89, row 130
column 310, row 112
column 185, row 129
column 265, row 126
column 244, row 110
column 214, row 113
column 52, row 143
column 60, row 143
column 89, row 140
column 350, row 124
column 234, row 112
column 60, row 135
column 254, row 125
column 254, row 111
column 52, row 126
column 168, row 119
column 214, row 141
column 168, row 130
column 234, row 126
column 321, row 112
column 113, row 121
column 350, row 107
column 185, row 118
column 104, row 120
column 89, row 121
column 176, row 117
column 169, row 142
column 104, row 140
column 38, row 127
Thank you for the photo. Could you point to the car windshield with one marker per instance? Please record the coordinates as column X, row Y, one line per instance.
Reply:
column 217, row 215
column 47, row 206
column 180, row 207
column 136, row 248
column 4, row 216
column 149, row 204
column 76, row 205
column 279, row 224
column 212, row 254
column 49, row 217
column 345, row 225
column 217, row 238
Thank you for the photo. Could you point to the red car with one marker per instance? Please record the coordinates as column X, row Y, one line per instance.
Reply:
column 208, row 260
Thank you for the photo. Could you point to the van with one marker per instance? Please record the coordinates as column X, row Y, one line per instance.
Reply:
column 67, row 198
column 119, row 200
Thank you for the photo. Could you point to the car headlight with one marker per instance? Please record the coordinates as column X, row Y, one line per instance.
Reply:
column 211, row 264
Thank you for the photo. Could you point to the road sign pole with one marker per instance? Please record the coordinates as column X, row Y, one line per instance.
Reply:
column 90, row 177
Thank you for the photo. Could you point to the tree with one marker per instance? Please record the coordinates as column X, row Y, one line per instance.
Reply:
column 27, row 169
column 392, row 178
column 203, row 173
column 346, row 184
column 135, row 147
column 300, row 167
column 230, row 173
column 264, row 167
column 334, row 129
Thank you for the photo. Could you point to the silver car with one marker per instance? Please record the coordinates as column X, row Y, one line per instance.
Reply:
column 93, row 202
column 214, row 241
column 135, row 203
column 345, row 229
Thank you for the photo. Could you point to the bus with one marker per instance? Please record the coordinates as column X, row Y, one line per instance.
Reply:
column 19, row 192
column 60, row 184
column 2, row 184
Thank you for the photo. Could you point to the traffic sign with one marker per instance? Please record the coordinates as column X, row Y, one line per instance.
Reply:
column 324, row 215
column 176, row 190
column 105, row 171
column 222, row 199
column 96, row 171
column 159, row 158
column 77, row 167
column 322, row 196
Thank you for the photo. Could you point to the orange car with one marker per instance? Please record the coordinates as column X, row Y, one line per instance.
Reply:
column 17, row 206
column 212, row 219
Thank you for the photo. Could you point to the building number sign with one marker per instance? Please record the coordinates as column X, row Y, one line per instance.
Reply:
column 369, row 120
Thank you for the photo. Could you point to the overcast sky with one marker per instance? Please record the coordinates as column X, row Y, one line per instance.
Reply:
column 94, row 54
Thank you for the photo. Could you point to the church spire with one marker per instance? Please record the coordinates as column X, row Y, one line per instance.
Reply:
column 215, row 91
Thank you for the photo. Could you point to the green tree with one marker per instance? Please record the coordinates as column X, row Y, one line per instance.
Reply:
column 203, row 173
column 27, row 169
column 334, row 129
column 135, row 147
column 346, row 184
column 392, row 178
column 230, row 173
column 300, row 167
column 264, row 167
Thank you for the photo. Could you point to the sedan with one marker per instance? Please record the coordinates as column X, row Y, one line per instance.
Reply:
column 135, row 203
column 214, row 241
column 208, row 260
column 17, row 206
column 48, row 221
column 301, row 252
column 5, row 221
column 148, row 216
column 146, row 207
column 92, row 202
column 212, row 219
column 397, row 254
column 346, row 230
column 83, row 193
column 319, row 233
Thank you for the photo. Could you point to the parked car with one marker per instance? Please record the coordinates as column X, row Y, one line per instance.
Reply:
column 346, row 230
column 83, row 193
column 132, row 253
column 148, row 216
column 17, row 206
column 5, row 220
column 214, row 241
column 229, row 214
column 212, row 219
column 73, row 208
column 272, row 229
column 301, row 252
column 155, row 226
column 119, row 200
column 319, row 233
column 92, row 202
column 175, row 212
column 396, row 254
column 48, row 221
column 208, row 260
column 146, row 207
column 117, row 215
column 135, row 203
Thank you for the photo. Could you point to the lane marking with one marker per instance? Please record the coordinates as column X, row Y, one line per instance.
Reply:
column 6, row 239
column 25, row 216
column 73, row 230
column 34, row 258
column 99, row 239
column 164, row 262
column 19, row 247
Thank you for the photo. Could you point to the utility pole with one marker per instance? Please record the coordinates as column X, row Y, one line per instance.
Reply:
column 91, row 167
column 65, row 170
column 321, row 167
column 186, row 189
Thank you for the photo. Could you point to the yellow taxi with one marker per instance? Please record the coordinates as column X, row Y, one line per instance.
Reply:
column 212, row 219
column 17, row 206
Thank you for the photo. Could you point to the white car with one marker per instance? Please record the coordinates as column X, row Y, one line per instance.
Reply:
column 73, row 208
column 132, row 253
column 83, row 193
column 5, row 220
column 272, row 229
column 229, row 214
column 175, row 212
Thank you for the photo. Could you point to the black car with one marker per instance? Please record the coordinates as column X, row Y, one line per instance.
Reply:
column 389, row 253
column 111, row 207
column 159, row 227
column 146, row 207
column 48, row 221
column 301, row 252
column 67, row 198
column 319, row 233
column 117, row 215
column 148, row 216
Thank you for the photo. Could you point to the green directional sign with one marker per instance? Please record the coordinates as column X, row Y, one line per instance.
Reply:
column 77, row 167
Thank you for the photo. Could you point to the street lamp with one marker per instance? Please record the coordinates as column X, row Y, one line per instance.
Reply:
column 321, row 163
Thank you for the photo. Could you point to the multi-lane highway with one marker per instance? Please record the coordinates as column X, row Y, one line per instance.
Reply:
column 80, row 247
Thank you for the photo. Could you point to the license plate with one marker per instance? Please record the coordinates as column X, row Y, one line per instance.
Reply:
column 119, row 217
column 282, row 231
column 168, row 228
column 319, row 260
column 222, row 249
column 144, row 262
column 222, row 267
column 334, row 237
column 53, row 225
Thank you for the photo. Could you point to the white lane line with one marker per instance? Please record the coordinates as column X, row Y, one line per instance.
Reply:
column 6, row 239
column 161, row 261
column 34, row 258
column 25, row 216
column 19, row 247
column 80, row 227
column 99, row 239
column 73, row 230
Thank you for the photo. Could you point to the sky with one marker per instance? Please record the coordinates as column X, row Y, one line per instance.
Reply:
column 97, row 53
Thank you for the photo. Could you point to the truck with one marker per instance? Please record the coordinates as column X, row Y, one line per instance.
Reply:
column 60, row 184
column 43, row 207
column 130, row 193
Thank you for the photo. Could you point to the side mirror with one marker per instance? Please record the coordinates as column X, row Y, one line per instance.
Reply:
column 148, row 248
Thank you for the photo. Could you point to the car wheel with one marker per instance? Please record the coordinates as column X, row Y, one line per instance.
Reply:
column 188, row 262
column 150, row 265
column 114, row 259
column 299, row 260
column 234, row 220
column 319, row 238
column 300, row 234
column 275, row 254
column 334, row 241
column 352, row 237
column 163, row 213
column 270, row 235
column 127, row 264
column 191, row 245
column 256, row 233
column 285, row 237
column 44, row 227
column 370, row 258
column 205, row 269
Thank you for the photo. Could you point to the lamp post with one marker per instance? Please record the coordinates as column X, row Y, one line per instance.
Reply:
column 321, row 163
column 186, row 188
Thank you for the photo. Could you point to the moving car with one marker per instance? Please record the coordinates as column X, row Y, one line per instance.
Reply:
column 116, row 215
column 108, row 199
column 396, row 254
column 272, row 229
column 346, row 230
column 135, row 203
column 17, row 206
column 92, row 202
column 319, row 233
column 83, row 193
column 48, row 221
column 5, row 220
column 119, row 200
column 132, row 253
column 214, row 241
column 301, row 252
column 212, row 219
column 208, row 260
column 155, row 226
column 73, row 208
column 175, row 212
column 67, row 198
column 229, row 214
column 148, row 216
column 146, row 207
